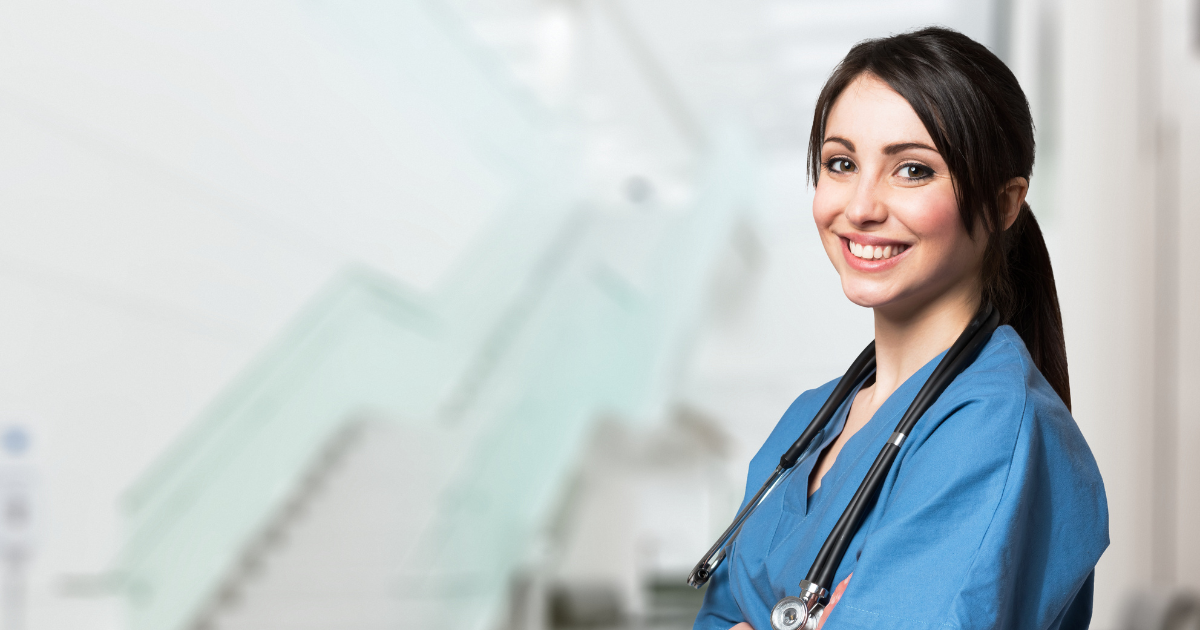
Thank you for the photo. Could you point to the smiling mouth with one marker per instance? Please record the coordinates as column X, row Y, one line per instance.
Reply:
column 875, row 252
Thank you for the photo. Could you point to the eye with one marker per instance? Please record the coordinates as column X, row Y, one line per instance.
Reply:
column 915, row 172
column 840, row 165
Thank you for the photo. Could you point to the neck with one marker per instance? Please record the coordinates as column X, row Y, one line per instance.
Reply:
column 905, row 340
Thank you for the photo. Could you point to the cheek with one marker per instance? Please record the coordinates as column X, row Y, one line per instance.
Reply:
column 934, row 219
column 825, row 210
column 826, row 206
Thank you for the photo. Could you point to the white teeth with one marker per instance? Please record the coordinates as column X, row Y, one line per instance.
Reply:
column 876, row 252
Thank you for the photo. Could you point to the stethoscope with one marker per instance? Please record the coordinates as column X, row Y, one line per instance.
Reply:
column 804, row 611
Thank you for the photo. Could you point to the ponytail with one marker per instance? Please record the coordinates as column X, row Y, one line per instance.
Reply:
column 1022, row 288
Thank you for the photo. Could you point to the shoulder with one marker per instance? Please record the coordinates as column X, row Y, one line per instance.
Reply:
column 1003, row 388
column 1002, row 409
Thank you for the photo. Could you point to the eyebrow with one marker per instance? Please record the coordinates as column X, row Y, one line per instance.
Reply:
column 893, row 149
column 839, row 140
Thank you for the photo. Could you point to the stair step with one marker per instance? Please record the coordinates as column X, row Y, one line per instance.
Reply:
column 337, row 558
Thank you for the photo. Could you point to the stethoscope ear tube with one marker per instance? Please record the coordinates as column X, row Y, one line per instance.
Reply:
column 862, row 365
column 716, row 554
column 957, row 358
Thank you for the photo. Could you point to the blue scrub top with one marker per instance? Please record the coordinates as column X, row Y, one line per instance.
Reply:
column 993, row 515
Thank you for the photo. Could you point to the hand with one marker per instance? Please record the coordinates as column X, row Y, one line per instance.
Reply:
column 742, row 626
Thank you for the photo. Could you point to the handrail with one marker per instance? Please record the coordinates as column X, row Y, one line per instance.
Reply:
column 408, row 306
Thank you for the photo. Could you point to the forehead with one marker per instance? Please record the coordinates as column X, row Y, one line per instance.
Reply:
column 869, row 113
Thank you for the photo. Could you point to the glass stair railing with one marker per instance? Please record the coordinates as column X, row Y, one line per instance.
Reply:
column 509, row 363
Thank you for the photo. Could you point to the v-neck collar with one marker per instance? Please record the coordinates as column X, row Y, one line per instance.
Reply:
column 825, row 438
column 887, row 414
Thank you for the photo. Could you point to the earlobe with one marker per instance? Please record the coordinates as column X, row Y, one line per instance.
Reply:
column 1012, row 197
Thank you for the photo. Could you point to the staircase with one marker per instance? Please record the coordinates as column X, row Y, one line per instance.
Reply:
column 329, row 558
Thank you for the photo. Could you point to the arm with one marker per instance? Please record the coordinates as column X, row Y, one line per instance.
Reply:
column 720, row 611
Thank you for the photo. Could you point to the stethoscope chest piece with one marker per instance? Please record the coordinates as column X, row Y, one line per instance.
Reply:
column 791, row 613
column 799, row 613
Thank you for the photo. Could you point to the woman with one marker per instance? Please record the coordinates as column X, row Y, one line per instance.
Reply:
column 993, row 515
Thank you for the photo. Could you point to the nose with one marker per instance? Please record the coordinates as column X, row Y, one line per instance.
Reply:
column 867, row 206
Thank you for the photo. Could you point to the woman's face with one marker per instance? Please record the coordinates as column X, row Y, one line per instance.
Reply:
column 885, row 206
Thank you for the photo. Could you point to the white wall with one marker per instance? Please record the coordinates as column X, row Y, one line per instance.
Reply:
column 1181, row 92
column 176, row 181
column 1104, row 262
column 1124, row 201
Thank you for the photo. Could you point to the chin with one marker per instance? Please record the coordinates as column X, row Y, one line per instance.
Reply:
column 868, row 296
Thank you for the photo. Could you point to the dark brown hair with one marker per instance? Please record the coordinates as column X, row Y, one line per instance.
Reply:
column 977, row 115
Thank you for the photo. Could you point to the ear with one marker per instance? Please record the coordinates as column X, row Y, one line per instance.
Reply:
column 1011, row 198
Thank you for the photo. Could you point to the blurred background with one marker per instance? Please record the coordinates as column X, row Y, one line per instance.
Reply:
column 470, row 313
